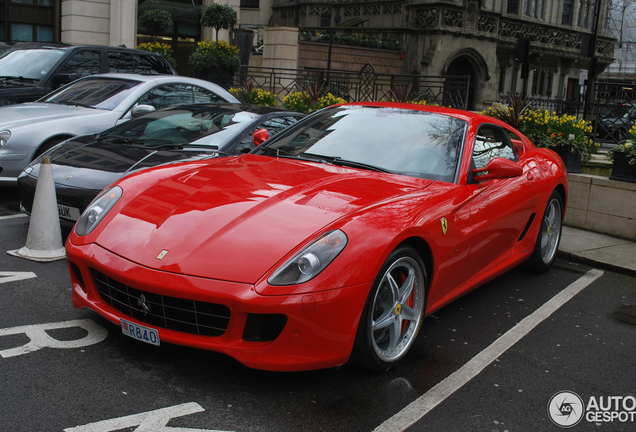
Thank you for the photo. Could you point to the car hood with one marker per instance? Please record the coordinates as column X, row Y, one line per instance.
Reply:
column 38, row 112
column 235, row 218
column 85, row 163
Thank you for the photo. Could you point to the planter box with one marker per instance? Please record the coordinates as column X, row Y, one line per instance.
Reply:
column 622, row 170
column 571, row 160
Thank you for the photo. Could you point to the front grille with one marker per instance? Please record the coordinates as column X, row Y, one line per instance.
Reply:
column 187, row 316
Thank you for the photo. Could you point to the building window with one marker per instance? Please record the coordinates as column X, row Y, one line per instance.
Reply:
column 533, row 8
column 513, row 7
column 22, row 32
column 542, row 82
column 252, row 4
column 325, row 19
column 502, row 77
column 45, row 34
column 567, row 12
column 584, row 14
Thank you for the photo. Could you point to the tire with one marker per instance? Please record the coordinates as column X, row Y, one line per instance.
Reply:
column 549, row 237
column 393, row 312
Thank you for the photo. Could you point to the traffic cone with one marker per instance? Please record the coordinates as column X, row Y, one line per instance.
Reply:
column 44, row 239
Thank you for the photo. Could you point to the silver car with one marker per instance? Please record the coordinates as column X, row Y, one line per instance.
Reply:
column 90, row 105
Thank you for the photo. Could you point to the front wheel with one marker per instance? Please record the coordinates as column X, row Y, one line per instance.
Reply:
column 547, row 244
column 393, row 313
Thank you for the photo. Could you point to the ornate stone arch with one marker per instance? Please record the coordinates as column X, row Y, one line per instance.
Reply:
column 469, row 61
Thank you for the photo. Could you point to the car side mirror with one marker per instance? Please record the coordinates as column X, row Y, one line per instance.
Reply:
column 498, row 168
column 259, row 136
column 62, row 79
column 140, row 110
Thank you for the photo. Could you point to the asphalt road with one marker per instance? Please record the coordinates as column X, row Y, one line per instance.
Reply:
column 491, row 361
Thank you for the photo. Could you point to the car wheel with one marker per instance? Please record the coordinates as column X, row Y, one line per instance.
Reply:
column 547, row 243
column 393, row 312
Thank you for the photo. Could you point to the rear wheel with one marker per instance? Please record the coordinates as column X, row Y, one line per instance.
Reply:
column 547, row 244
column 393, row 313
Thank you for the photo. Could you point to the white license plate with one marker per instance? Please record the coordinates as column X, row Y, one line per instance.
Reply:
column 139, row 332
column 67, row 212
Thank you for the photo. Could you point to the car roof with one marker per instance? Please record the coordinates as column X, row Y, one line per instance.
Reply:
column 237, row 107
column 139, row 77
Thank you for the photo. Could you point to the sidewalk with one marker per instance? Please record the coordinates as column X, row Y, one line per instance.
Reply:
column 598, row 250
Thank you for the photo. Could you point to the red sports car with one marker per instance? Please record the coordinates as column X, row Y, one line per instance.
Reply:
column 329, row 243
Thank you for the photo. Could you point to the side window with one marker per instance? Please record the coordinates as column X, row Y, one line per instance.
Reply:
column 121, row 62
column 168, row 95
column 151, row 65
column 201, row 95
column 83, row 63
column 492, row 142
column 273, row 126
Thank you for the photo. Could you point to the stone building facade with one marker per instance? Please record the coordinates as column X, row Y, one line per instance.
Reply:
column 479, row 38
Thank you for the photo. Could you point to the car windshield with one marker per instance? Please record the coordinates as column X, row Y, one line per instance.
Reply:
column 31, row 64
column 203, row 125
column 403, row 141
column 102, row 93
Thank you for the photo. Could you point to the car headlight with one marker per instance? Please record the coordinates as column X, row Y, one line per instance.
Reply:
column 309, row 262
column 96, row 211
column 4, row 137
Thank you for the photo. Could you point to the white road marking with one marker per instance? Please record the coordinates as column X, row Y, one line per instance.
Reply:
column 15, row 276
column 425, row 403
column 13, row 216
column 40, row 339
column 150, row 421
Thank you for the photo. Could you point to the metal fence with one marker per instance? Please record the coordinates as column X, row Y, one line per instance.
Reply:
column 365, row 85
column 560, row 106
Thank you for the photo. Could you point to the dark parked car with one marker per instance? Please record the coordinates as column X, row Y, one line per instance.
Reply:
column 616, row 121
column 29, row 71
column 85, row 165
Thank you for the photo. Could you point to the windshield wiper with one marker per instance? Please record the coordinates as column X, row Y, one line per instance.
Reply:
column 284, row 153
column 337, row 160
column 121, row 138
column 77, row 104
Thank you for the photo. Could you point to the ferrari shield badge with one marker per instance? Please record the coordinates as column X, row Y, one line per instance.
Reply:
column 162, row 254
column 444, row 225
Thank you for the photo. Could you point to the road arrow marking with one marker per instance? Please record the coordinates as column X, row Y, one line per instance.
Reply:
column 15, row 276
column 150, row 421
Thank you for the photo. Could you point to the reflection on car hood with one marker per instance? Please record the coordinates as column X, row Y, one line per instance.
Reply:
column 37, row 112
column 211, row 217
column 88, row 164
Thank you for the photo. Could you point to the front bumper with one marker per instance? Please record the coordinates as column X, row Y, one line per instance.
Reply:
column 318, row 333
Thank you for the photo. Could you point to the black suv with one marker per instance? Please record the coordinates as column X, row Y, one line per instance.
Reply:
column 29, row 71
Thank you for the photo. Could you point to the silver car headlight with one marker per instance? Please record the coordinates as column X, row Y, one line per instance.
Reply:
column 96, row 211
column 310, row 261
column 4, row 137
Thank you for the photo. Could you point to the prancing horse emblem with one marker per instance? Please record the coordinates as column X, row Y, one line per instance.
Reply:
column 444, row 225
column 141, row 301
column 162, row 254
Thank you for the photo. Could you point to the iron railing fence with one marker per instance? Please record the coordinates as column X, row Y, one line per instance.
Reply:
column 366, row 85
column 614, row 110
column 560, row 106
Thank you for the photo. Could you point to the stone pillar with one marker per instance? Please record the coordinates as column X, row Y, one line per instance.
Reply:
column 86, row 22
column 281, row 47
column 123, row 23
